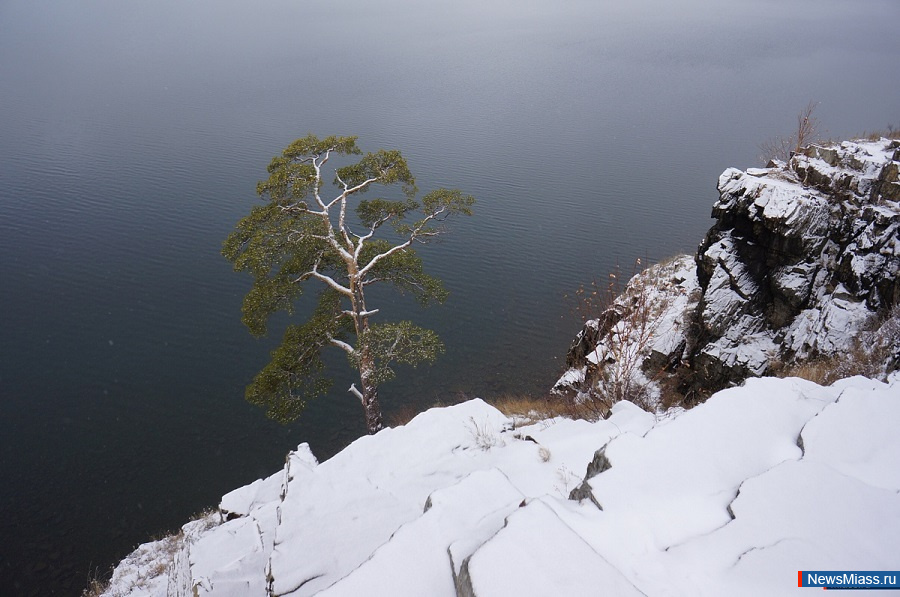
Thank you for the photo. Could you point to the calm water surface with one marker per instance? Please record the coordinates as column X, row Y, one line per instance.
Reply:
column 131, row 138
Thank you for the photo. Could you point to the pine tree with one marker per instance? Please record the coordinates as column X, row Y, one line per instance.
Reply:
column 301, row 238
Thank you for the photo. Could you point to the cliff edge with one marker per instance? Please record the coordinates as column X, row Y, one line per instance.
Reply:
column 801, row 265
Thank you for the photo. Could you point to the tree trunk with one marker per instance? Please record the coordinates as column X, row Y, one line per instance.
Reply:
column 374, row 421
column 369, row 396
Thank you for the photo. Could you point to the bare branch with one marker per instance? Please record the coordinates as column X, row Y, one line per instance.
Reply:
column 329, row 280
column 302, row 234
column 352, row 389
column 380, row 256
column 347, row 192
column 390, row 351
column 361, row 313
column 783, row 149
column 806, row 126
column 342, row 345
column 300, row 207
column 318, row 168
column 417, row 232
column 362, row 239
column 345, row 229
column 327, row 155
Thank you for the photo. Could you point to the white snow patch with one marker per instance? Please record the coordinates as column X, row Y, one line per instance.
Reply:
column 717, row 500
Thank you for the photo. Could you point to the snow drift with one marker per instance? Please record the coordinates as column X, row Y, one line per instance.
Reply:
column 730, row 498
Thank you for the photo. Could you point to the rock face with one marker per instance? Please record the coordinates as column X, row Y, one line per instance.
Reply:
column 798, row 259
column 802, row 259
column 645, row 330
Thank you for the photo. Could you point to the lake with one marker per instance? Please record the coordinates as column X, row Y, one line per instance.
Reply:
column 592, row 133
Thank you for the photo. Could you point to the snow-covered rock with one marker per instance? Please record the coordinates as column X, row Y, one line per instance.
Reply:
column 802, row 258
column 729, row 498
column 799, row 260
column 646, row 328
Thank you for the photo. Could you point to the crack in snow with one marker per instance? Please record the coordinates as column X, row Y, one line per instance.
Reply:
column 761, row 547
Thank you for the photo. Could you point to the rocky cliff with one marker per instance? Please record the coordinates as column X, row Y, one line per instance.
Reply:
column 802, row 264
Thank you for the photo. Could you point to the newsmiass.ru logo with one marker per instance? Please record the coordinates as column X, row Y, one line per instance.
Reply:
column 848, row 579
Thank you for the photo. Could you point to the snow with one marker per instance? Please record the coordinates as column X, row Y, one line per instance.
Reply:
column 655, row 478
column 842, row 438
column 520, row 561
column 731, row 497
column 220, row 561
column 799, row 515
column 726, row 296
column 244, row 500
column 575, row 375
column 459, row 519
column 776, row 198
column 795, row 281
column 804, row 214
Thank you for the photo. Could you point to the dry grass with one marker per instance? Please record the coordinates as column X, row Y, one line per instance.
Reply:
column 484, row 434
column 858, row 360
column 526, row 410
column 891, row 132
column 95, row 588
column 521, row 408
column 401, row 416
column 820, row 371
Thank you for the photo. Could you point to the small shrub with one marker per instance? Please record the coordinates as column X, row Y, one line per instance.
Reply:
column 568, row 481
column 485, row 436
column 627, row 322
column 781, row 149
column 681, row 389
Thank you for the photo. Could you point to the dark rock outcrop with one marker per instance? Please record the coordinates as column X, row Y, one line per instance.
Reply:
column 802, row 258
